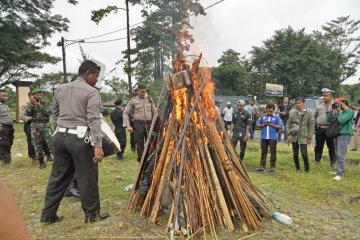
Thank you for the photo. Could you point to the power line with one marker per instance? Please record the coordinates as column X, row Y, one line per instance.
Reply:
column 122, row 29
column 110, row 40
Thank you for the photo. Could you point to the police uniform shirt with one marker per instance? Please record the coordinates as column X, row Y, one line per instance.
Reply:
column 22, row 114
column 78, row 104
column 5, row 115
column 143, row 109
column 241, row 120
column 320, row 114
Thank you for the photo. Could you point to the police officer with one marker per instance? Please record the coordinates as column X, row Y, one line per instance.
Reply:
column 40, row 111
column 76, row 111
column 143, row 108
column 240, row 128
column 6, row 129
column 27, row 130
column 120, row 131
column 321, row 125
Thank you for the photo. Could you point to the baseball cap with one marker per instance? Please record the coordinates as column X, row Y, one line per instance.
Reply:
column 228, row 103
column 340, row 100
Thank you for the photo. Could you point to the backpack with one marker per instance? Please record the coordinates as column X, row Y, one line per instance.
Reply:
column 334, row 129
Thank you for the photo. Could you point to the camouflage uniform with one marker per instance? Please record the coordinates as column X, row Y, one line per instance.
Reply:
column 40, row 128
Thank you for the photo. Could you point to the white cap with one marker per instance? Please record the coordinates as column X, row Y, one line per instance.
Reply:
column 228, row 103
column 326, row 90
column 241, row 102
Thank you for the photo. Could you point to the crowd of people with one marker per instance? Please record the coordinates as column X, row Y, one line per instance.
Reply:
column 76, row 147
column 297, row 127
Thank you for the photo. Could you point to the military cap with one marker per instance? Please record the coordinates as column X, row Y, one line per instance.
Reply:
column 36, row 90
column 326, row 90
column 118, row 101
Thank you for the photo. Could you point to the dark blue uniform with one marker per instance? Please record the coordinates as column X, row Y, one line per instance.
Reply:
column 120, row 131
column 240, row 121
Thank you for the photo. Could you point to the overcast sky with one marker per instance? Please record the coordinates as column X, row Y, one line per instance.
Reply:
column 236, row 24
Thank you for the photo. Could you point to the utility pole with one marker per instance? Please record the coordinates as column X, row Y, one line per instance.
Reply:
column 128, row 48
column 63, row 58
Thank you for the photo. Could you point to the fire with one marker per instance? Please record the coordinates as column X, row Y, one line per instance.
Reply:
column 179, row 97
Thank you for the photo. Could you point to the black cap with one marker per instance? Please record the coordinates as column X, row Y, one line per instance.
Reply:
column 118, row 101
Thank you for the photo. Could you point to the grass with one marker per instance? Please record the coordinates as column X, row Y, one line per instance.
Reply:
column 320, row 207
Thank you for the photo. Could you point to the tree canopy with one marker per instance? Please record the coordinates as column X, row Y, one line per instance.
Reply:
column 25, row 26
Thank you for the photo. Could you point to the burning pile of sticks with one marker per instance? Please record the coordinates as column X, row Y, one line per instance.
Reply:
column 189, row 155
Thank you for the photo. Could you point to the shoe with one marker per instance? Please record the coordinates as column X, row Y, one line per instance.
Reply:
column 99, row 217
column 307, row 172
column 260, row 169
column 50, row 220
column 72, row 192
column 353, row 149
column 337, row 178
column 317, row 162
column 272, row 169
column 42, row 165
column 298, row 170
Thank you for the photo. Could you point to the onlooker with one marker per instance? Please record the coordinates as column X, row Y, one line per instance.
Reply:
column 27, row 129
column 76, row 113
column 228, row 112
column 301, row 130
column 240, row 128
column 269, row 124
column 143, row 109
column 321, row 124
column 120, row 131
column 284, row 110
column 40, row 111
column 6, row 129
column 357, row 129
column 344, row 115
column 254, row 116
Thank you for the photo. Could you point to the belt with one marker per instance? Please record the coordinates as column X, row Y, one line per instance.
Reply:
column 6, row 125
column 67, row 130
column 322, row 126
column 143, row 122
column 40, row 121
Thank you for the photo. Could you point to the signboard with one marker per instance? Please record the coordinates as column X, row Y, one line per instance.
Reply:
column 274, row 90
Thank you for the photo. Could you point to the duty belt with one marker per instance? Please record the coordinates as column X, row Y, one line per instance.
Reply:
column 40, row 121
column 322, row 126
column 143, row 122
column 67, row 130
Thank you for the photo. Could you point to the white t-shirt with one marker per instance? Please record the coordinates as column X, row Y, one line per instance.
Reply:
column 228, row 112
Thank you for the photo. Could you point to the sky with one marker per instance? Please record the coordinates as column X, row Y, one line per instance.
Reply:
column 235, row 24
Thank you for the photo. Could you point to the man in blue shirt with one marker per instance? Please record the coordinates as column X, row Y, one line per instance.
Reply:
column 269, row 124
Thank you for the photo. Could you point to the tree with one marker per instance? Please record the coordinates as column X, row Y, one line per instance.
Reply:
column 25, row 26
column 231, row 77
column 50, row 81
column 299, row 61
column 343, row 34
column 118, row 87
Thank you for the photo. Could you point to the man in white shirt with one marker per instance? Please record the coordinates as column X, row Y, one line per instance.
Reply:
column 228, row 115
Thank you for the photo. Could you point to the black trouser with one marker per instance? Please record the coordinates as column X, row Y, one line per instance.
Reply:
column 234, row 141
column 72, row 154
column 6, row 142
column 132, row 137
column 320, row 138
column 227, row 125
column 303, row 151
column 120, row 133
column 141, row 129
column 253, row 125
column 30, row 146
column 265, row 143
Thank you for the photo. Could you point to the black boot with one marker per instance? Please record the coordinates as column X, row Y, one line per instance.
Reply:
column 72, row 190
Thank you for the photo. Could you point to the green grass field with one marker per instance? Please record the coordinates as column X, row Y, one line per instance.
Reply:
column 321, row 208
